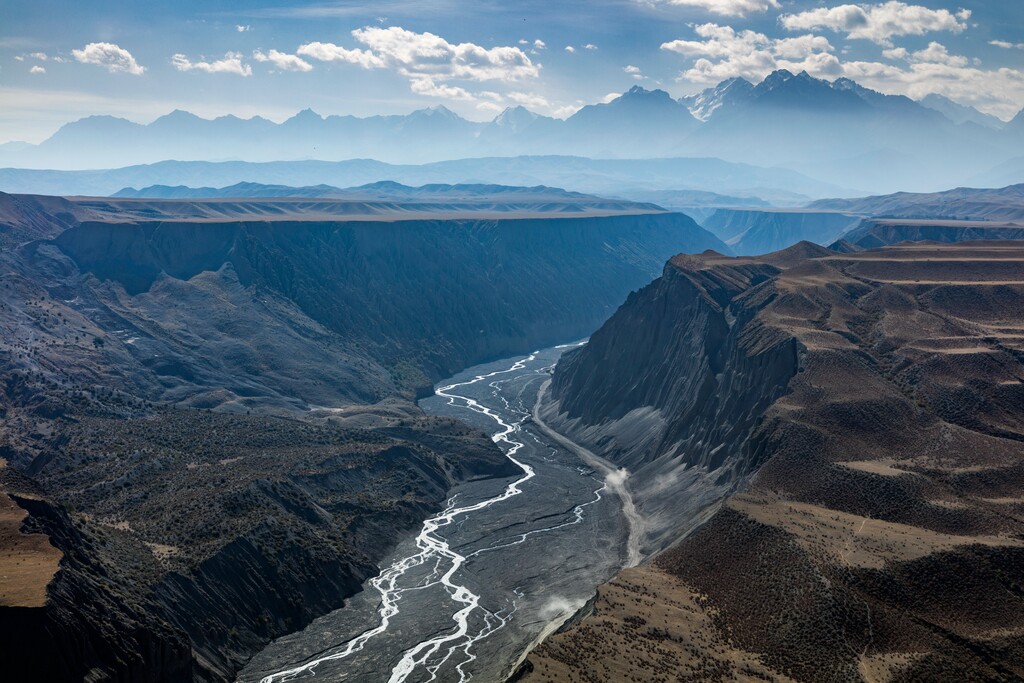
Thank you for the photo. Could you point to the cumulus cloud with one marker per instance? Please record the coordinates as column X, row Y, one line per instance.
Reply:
column 113, row 58
column 242, row 28
column 934, row 70
column 37, row 70
column 1006, row 45
column 634, row 71
column 936, row 53
column 878, row 23
column 590, row 46
column 282, row 60
column 733, row 8
column 726, row 53
column 41, row 56
column 329, row 52
column 427, row 86
column 429, row 61
column 438, row 68
column 570, row 49
column 230, row 64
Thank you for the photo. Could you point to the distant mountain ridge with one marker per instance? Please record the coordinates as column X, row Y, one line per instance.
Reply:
column 837, row 130
column 961, row 203
column 384, row 189
column 605, row 177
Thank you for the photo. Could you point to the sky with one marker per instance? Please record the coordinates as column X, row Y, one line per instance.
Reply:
column 62, row 60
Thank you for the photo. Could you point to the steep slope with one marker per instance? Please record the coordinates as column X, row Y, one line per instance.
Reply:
column 197, row 537
column 368, row 290
column 876, row 400
column 749, row 232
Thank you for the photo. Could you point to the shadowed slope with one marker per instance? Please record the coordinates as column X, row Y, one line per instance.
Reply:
column 881, row 536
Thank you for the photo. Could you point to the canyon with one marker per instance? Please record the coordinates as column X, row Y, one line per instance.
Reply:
column 198, row 389
column 208, row 409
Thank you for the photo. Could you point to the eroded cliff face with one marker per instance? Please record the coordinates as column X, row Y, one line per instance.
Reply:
column 881, row 535
column 677, row 404
column 397, row 304
column 197, row 537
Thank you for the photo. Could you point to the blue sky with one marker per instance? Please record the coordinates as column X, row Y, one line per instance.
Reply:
column 60, row 61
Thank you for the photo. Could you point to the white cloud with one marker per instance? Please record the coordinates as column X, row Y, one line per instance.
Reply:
column 435, row 67
column 934, row 70
column 41, row 56
column 733, row 8
column 110, row 56
column 20, row 58
column 429, row 61
column 610, row 96
column 329, row 52
column 1006, row 45
column 590, row 46
column 427, row 86
column 727, row 53
column 282, row 60
column 566, row 111
column 529, row 99
column 634, row 71
column 936, row 53
column 243, row 28
column 230, row 64
column 878, row 23
column 37, row 70
column 570, row 49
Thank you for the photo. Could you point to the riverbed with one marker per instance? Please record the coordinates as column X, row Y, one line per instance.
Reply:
column 465, row 596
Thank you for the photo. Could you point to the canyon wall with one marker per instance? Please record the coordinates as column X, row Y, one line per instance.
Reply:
column 876, row 533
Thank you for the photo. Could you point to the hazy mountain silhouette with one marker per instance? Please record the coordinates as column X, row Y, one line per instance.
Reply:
column 838, row 131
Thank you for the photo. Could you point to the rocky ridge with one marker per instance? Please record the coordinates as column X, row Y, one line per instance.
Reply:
column 877, row 530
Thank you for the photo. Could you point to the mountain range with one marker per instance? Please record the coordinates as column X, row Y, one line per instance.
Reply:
column 838, row 131
column 642, row 179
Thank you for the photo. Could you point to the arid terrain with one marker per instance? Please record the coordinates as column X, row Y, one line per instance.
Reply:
column 876, row 532
column 206, row 406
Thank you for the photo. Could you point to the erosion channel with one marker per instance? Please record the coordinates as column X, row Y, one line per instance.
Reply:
column 500, row 567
